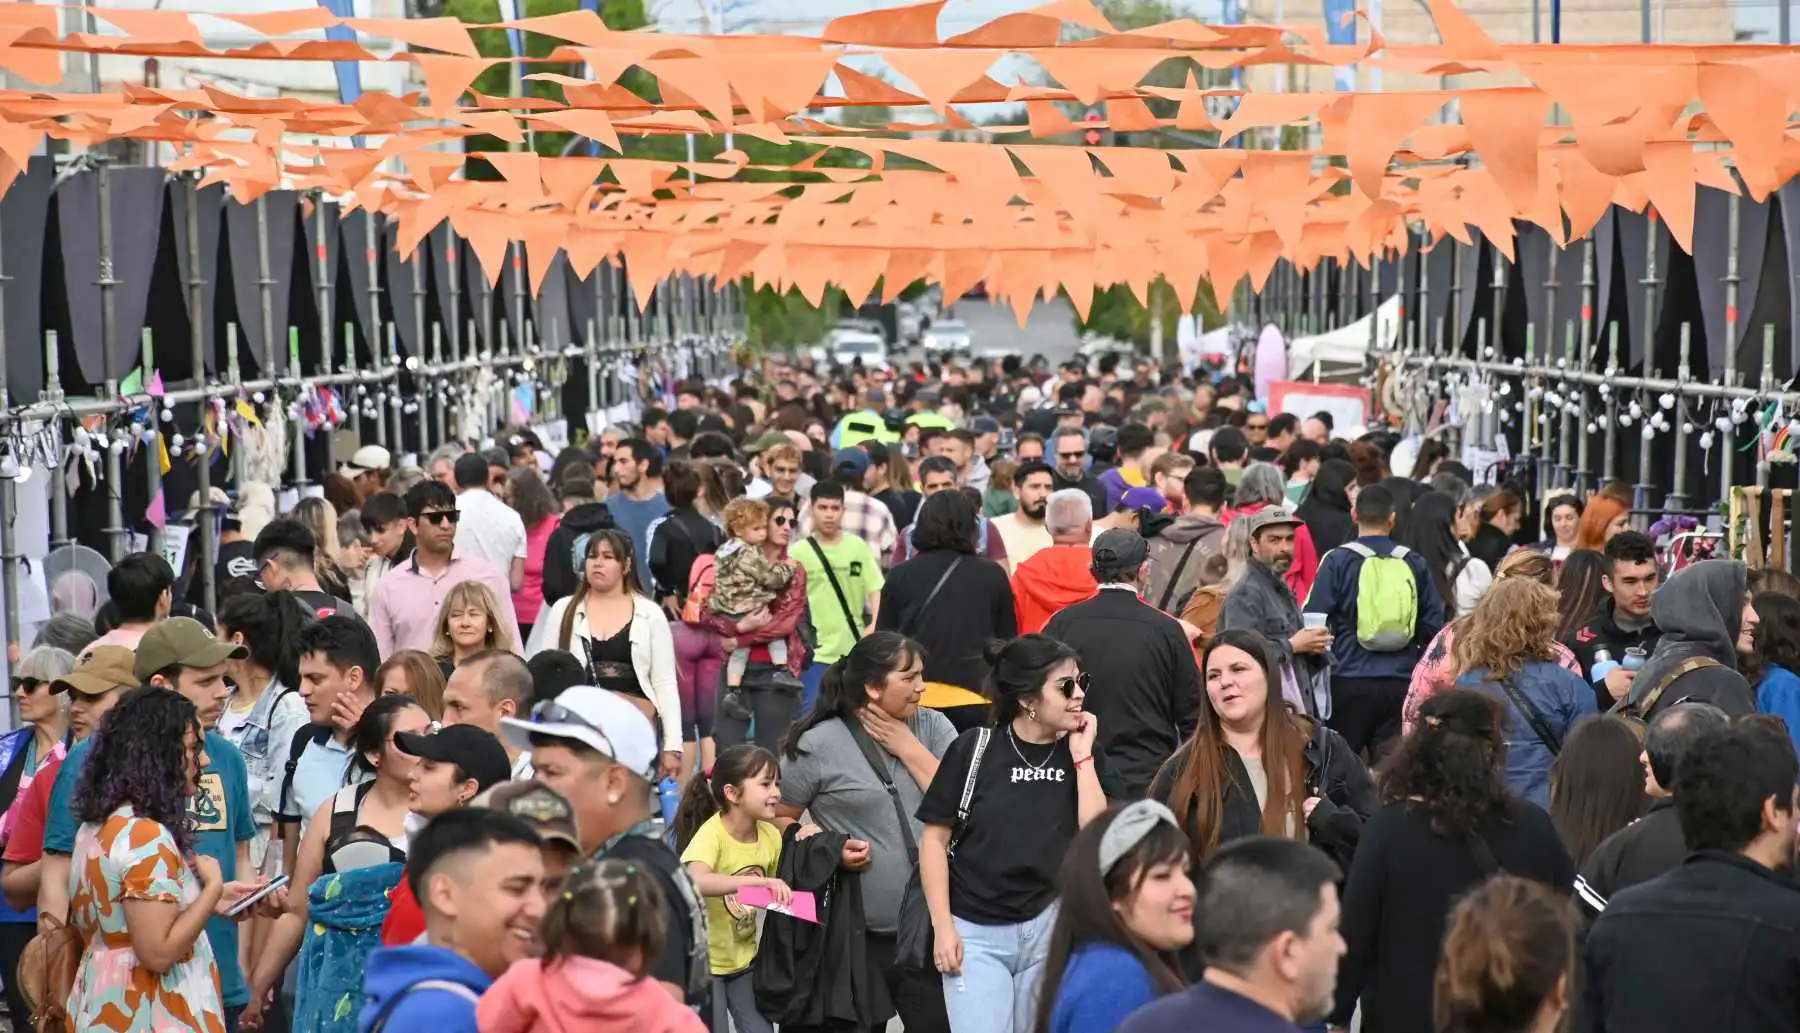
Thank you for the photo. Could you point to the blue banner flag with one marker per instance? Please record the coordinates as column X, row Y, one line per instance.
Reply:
column 349, row 73
column 1340, row 30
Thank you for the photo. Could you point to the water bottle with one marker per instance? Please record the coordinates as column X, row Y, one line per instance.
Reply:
column 668, row 793
column 1635, row 658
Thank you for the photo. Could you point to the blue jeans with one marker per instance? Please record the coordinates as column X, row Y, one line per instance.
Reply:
column 997, row 990
column 810, row 679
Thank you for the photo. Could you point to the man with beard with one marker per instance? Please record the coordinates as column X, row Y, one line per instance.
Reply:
column 1266, row 920
column 1068, row 447
column 1262, row 602
column 1023, row 530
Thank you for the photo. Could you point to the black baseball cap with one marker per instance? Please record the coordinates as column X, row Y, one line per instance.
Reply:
column 474, row 750
column 554, row 670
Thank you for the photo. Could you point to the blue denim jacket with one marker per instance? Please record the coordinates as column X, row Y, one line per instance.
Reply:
column 1561, row 699
column 264, row 739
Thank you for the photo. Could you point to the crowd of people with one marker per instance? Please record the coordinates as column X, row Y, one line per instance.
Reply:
column 991, row 696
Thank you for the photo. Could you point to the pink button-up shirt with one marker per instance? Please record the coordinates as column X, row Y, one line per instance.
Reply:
column 404, row 612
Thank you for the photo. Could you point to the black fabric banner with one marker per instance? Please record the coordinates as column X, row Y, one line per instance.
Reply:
column 360, row 252
column 445, row 250
column 404, row 290
column 550, row 309
column 482, row 305
column 1712, row 223
column 208, row 215
column 24, row 215
column 281, row 215
column 137, row 210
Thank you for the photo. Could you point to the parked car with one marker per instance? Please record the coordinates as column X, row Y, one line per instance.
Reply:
column 948, row 337
column 848, row 347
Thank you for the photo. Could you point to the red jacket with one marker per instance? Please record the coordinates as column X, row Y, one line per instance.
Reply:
column 784, row 623
column 1050, row 580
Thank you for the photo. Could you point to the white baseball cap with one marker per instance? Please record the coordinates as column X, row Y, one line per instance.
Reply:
column 597, row 718
column 367, row 459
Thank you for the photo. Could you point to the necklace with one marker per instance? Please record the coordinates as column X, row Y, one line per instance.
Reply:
column 1013, row 737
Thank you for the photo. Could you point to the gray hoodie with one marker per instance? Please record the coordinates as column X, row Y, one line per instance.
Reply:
column 1700, row 611
column 1166, row 550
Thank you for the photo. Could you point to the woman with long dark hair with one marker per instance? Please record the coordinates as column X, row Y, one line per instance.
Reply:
column 1431, row 531
column 140, row 894
column 865, row 733
column 541, row 514
column 265, row 710
column 1447, row 823
column 953, row 602
column 1326, row 508
column 1255, row 767
column 1597, row 783
column 1126, row 907
column 351, row 859
column 993, row 899
column 620, row 636
column 1509, row 960
column 1580, row 588
column 1775, row 664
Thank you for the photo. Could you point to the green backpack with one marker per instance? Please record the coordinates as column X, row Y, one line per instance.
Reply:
column 1387, row 600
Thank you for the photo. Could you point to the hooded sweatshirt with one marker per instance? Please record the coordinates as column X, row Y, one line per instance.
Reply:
column 1050, row 580
column 561, row 571
column 1206, row 533
column 581, row 995
column 1700, row 611
column 392, row 970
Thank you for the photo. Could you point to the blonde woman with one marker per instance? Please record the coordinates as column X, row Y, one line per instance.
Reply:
column 321, row 518
column 468, row 622
column 1437, row 671
column 1504, row 651
column 415, row 673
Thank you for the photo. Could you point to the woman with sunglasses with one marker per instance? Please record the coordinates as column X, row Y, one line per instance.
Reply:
column 621, row 638
column 993, row 897
column 773, row 707
column 24, row 754
column 1254, row 767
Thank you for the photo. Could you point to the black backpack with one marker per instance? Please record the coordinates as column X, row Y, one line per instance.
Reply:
column 303, row 736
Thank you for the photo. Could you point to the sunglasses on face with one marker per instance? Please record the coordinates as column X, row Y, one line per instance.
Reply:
column 442, row 516
column 781, row 521
column 1070, row 455
column 1067, row 686
column 27, row 686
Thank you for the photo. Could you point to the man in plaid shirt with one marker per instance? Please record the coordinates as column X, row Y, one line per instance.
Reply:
column 864, row 516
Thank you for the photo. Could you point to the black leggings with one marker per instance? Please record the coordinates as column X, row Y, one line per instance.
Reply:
column 773, row 709
column 13, row 938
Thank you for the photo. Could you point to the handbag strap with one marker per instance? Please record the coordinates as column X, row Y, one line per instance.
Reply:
column 968, row 790
column 836, row 589
column 1533, row 717
column 1484, row 854
column 911, row 625
column 1175, row 578
column 877, row 764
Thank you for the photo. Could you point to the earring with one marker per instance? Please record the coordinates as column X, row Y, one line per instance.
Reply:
column 1030, row 714
column 612, row 799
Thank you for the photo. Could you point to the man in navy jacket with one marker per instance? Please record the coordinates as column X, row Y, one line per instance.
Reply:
column 1368, row 688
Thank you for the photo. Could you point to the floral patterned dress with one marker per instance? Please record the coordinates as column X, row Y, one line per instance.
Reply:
column 132, row 858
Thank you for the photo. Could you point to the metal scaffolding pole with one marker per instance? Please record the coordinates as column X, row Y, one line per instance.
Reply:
column 152, row 443
column 372, row 253
column 1728, row 450
column 420, row 258
column 1609, row 450
column 53, row 395
column 1583, row 464
column 392, row 397
column 115, row 514
column 1676, row 498
column 9, row 503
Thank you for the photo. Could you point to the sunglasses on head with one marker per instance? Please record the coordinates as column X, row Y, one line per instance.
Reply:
column 551, row 712
column 1067, row 685
column 442, row 516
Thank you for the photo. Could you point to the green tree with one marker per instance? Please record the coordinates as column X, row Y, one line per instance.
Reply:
column 1116, row 312
column 787, row 321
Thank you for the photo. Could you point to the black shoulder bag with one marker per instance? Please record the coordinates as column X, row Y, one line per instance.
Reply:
column 914, row 940
column 837, row 589
column 1533, row 717
column 912, row 624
